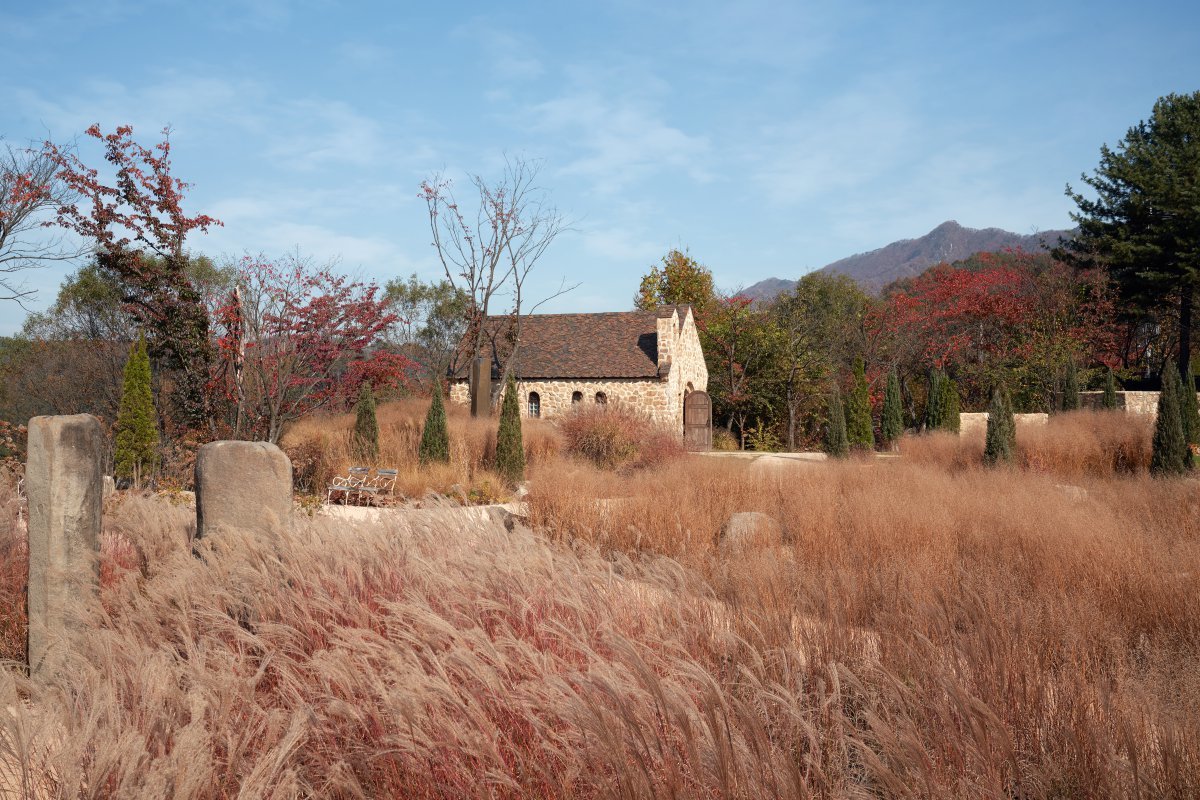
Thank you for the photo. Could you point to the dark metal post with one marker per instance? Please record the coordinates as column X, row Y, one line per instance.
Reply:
column 481, row 387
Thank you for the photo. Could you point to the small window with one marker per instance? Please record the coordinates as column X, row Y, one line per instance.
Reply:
column 535, row 404
column 576, row 398
column 601, row 399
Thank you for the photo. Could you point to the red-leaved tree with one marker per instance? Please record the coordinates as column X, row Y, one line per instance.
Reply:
column 302, row 338
column 139, row 229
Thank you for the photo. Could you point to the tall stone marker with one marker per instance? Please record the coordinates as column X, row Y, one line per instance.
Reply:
column 64, row 481
column 481, row 388
column 242, row 486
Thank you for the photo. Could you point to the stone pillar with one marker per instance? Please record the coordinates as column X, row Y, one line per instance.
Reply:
column 64, row 481
column 481, row 387
column 242, row 486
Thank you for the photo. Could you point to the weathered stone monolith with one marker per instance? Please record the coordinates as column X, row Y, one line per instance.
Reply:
column 64, row 482
column 242, row 486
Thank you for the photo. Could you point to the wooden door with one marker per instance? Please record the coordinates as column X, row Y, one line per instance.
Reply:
column 697, row 421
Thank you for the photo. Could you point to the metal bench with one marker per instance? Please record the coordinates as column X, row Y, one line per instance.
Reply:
column 383, row 483
column 346, row 486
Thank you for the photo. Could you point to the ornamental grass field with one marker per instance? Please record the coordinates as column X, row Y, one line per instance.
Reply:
column 925, row 628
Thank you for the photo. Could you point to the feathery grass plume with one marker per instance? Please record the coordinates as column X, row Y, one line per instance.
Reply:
column 1169, row 453
column 1070, row 396
column 364, row 439
column 1189, row 408
column 837, row 444
column 1001, row 441
column 859, row 429
column 135, row 449
column 892, row 422
column 510, row 450
column 948, row 400
column 1109, row 399
column 435, row 436
column 933, row 401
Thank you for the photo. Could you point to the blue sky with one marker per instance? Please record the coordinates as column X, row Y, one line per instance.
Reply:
column 768, row 138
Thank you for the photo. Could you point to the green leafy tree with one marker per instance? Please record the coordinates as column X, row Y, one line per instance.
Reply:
column 1109, row 399
column 433, row 319
column 1189, row 412
column 837, row 443
column 1144, row 224
column 1070, row 397
column 1169, row 454
column 364, row 439
column 510, row 449
column 679, row 279
column 135, row 450
column 435, row 438
column 858, row 410
column 892, row 423
column 1001, row 443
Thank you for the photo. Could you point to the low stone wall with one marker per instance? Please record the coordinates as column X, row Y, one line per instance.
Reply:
column 975, row 423
column 1141, row 403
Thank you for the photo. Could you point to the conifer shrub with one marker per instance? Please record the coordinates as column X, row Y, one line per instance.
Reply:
column 510, row 450
column 135, row 449
column 1001, row 443
column 1169, row 453
column 1109, row 399
column 364, row 437
column 435, row 436
column 1189, row 409
column 859, row 430
column 892, row 422
column 1070, row 397
column 837, row 444
column 934, row 401
column 948, row 400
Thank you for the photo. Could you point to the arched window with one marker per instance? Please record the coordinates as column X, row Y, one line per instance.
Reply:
column 601, row 399
column 535, row 404
column 576, row 398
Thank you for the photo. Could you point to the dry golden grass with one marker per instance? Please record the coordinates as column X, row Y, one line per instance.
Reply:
column 925, row 631
column 320, row 450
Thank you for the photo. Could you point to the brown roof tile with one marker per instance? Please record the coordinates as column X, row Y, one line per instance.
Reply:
column 620, row 344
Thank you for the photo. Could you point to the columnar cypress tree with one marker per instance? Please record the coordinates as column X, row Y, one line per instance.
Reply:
column 435, row 438
column 1169, row 455
column 1070, row 398
column 1001, row 442
column 1189, row 412
column 135, row 451
column 364, row 439
column 949, row 407
column 836, row 442
column 892, row 424
column 933, row 402
column 510, row 450
column 1110, row 390
column 859, row 429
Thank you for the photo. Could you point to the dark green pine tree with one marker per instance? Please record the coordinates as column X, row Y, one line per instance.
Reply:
column 1189, row 409
column 435, row 438
column 1070, row 398
column 933, row 402
column 1001, row 443
column 951, row 421
column 892, row 423
column 364, row 439
column 837, row 444
column 859, row 429
column 135, row 450
column 1109, row 400
column 1169, row 454
column 510, row 449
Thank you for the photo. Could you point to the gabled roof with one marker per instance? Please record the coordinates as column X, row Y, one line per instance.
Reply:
column 621, row 344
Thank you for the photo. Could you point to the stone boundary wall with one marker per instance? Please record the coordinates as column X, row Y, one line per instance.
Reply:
column 1141, row 403
column 975, row 423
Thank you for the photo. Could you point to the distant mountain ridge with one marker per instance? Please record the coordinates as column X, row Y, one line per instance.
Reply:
column 908, row 257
